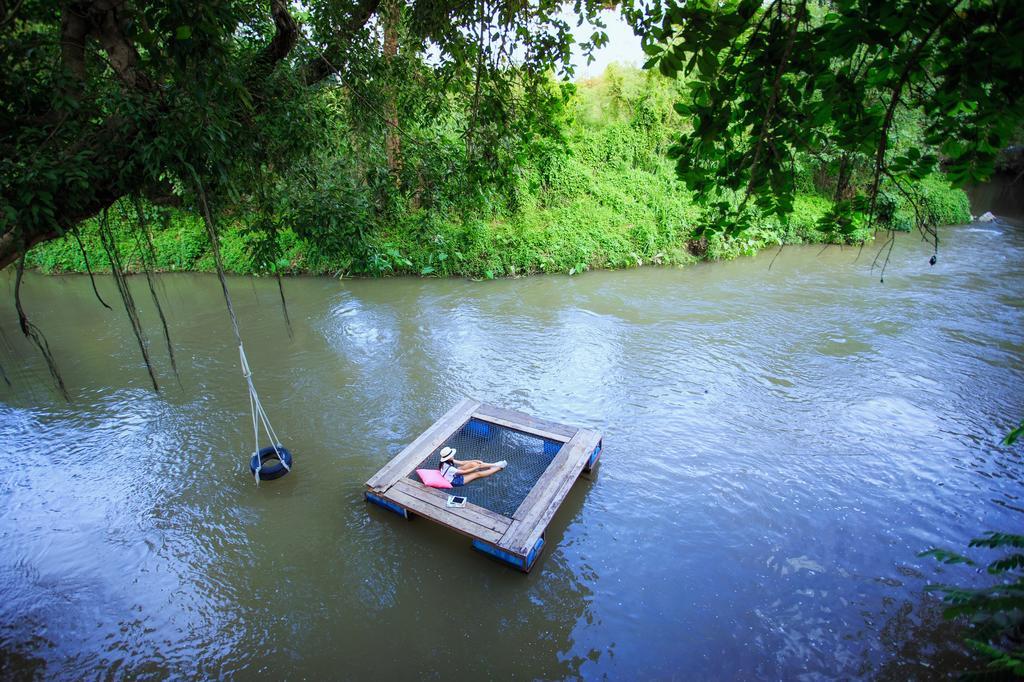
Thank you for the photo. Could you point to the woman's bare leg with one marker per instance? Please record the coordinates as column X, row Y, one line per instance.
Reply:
column 483, row 473
column 470, row 465
column 474, row 465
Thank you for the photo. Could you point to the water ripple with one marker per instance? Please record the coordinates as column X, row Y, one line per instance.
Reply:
column 779, row 445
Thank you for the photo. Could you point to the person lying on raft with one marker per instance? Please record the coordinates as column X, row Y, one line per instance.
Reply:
column 458, row 472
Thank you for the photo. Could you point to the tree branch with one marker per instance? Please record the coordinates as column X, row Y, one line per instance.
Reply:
column 123, row 56
column 332, row 58
column 285, row 36
column 897, row 91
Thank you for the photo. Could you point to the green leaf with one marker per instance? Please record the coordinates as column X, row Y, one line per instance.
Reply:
column 666, row 68
column 947, row 557
column 183, row 33
column 995, row 540
column 1013, row 435
column 707, row 64
column 1007, row 563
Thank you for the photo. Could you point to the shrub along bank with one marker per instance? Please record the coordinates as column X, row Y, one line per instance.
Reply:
column 601, row 195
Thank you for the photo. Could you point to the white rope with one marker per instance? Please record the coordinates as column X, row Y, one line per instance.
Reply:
column 259, row 417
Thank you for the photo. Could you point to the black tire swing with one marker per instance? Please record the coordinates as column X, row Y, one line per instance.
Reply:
column 276, row 457
column 276, row 451
column 259, row 460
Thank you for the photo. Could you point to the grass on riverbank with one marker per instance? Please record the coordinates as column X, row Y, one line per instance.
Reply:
column 631, row 221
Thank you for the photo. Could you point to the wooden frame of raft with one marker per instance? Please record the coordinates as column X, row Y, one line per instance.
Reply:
column 517, row 540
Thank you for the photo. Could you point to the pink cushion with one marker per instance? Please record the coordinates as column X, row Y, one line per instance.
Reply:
column 433, row 478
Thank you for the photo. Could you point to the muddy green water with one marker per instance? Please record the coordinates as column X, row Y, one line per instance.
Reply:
column 779, row 444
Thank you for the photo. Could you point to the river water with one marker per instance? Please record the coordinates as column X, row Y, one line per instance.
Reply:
column 780, row 443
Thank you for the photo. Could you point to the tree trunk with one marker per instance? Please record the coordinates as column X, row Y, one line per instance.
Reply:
column 391, row 15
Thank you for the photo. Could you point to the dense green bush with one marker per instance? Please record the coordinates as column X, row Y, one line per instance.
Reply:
column 597, row 192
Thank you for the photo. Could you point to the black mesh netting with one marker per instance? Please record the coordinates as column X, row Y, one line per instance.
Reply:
column 527, row 456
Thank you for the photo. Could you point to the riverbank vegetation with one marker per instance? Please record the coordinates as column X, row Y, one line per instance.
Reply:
column 592, row 187
column 381, row 136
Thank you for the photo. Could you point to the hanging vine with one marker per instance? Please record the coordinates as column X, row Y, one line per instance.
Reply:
column 148, row 259
column 32, row 332
column 116, row 269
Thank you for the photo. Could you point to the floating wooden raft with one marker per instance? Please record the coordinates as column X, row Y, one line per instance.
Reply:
column 517, row 540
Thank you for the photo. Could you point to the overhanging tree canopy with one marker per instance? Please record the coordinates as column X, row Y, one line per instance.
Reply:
column 772, row 80
column 109, row 98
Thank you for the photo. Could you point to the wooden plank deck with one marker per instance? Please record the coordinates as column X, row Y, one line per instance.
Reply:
column 537, row 510
column 405, row 461
column 524, row 422
column 516, row 540
column 471, row 520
